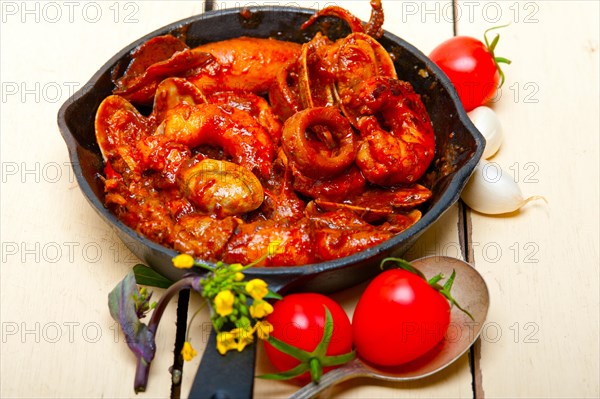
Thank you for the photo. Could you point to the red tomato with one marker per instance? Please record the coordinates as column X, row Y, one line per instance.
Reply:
column 471, row 68
column 299, row 320
column 398, row 318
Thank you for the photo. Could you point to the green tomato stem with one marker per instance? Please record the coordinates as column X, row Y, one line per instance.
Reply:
column 491, row 47
column 433, row 282
column 435, row 279
column 316, row 371
column 311, row 361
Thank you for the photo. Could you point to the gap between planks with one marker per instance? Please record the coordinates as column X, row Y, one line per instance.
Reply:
column 180, row 337
column 464, row 237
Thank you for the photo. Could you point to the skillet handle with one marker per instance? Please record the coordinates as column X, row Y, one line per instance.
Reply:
column 224, row 377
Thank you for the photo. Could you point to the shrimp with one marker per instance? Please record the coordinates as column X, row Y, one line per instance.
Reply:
column 175, row 91
column 287, row 244
column 398, row 139
column 203, row 234
column 240, row 136
column 340, row 233
column 254, row 105
column 350, row 183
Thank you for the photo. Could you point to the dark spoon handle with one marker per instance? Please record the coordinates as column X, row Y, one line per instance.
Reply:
column 224, row 377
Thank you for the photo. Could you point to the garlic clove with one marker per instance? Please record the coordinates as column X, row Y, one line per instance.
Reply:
column 492, row 191
column 488, row 123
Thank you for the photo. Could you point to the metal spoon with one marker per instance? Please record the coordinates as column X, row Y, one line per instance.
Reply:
column 470, row 291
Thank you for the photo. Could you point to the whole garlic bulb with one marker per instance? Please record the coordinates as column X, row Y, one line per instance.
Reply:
column 488, row 123
column 492, row 191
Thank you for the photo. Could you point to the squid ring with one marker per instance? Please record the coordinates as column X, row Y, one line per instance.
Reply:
column 320, row 161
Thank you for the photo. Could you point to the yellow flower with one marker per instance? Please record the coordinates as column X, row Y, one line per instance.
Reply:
column 224, row 303
column 225, row 342
column 183, row 261
column 243, row 341
column 237, row 267
column 257, row 288
column 263, row 329
column 274, row 248
column 188, row 351
column 260, row 309
column 244, row 337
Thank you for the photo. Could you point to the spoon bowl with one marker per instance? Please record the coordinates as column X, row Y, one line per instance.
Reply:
column 469, row 289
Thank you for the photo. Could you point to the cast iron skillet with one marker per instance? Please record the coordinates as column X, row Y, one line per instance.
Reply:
column 458, row 149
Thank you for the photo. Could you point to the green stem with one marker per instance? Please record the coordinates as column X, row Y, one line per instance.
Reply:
column 187, row 331
column 491, row 47
column 316, row 371
column 435, row 279
column 433, row 282
column 205, row 267
column 311, row 361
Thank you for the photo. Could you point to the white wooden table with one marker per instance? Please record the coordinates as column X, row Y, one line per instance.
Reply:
column 59, row 260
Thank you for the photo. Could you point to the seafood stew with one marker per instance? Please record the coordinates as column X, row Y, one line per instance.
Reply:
column 249, row 137
column 457, row 146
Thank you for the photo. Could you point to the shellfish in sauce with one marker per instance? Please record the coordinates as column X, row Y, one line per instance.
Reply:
column 305, row 153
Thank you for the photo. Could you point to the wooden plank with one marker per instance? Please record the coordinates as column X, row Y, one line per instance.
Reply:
column 541, row 263
column 60, row 260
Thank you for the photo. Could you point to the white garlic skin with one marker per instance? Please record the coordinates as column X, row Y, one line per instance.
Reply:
column 488, row 123
column 492, row 191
